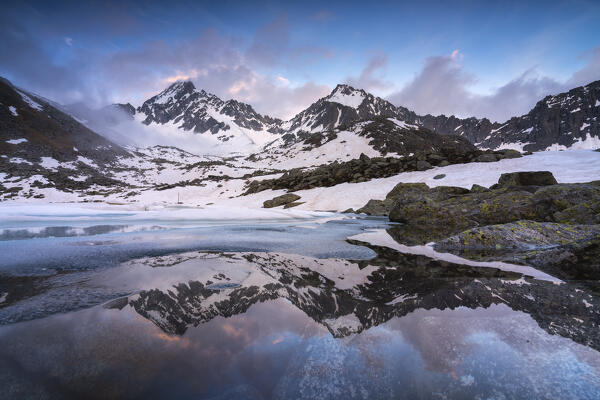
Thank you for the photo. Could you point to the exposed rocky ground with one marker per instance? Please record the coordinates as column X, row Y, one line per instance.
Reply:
column 526, row 217
column 366, row 168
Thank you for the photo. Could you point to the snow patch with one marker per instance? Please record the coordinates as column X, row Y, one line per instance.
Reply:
column 349, row 100
column 49, row 163
column 13, row 111
column 30, row 101
column 16, row 141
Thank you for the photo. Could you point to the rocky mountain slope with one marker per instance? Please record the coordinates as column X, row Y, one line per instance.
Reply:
column 47, row 153
column 342, row 107
column 558, row 122
column 184, row 107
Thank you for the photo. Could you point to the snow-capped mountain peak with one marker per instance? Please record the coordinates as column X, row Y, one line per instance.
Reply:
column 342, row 107
column 347, row 96
column 181, row 107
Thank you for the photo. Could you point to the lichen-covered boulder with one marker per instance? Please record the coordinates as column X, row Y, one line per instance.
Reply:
column 517, row 236
column 458, row 213
column 509, row 153
column 530, row 178
column 281, row 200
column 563, row 250
column 377, row 207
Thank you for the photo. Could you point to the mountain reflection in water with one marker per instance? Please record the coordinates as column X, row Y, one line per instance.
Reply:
column 258, row 325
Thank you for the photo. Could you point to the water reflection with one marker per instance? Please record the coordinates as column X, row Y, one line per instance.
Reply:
column 349, row 297
column 259, row 325
column 69, row 231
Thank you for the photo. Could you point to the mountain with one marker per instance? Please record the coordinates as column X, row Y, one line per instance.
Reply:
column 45, row 152
column 31, row 128
column 183, row 107
column 342, row 107
column 558, row 122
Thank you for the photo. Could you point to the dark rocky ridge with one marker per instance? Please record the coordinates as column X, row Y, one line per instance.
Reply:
column 562, row 119
column 365, row 168
column 49, row 132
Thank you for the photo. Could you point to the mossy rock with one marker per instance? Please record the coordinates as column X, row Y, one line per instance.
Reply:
column 530, row 178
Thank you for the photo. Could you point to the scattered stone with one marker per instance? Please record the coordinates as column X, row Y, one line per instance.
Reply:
column 439, row 176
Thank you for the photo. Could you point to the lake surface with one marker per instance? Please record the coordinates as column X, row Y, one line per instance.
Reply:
column 279, row 310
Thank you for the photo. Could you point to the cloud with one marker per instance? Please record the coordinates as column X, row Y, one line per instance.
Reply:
column 443, row 86
column 214, row 62
column 69, row 41
column 368, row 78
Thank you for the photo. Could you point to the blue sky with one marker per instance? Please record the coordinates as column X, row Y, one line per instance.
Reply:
column 461, row 57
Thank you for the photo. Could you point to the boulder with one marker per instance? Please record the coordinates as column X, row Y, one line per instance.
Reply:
column 281, row 200
column 531, row 178
column 519, row 236
column 377, row 207
column 486, row 157
column 423, row 165
column 439, row 176
column 444, row 211
column 565, row 251
column 408, row 192
column 478, row 189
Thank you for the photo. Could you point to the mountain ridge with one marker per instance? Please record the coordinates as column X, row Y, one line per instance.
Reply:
column 548, row 125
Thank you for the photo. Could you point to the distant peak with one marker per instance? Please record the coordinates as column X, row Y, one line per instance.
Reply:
column 343, row 88
column 182, row 84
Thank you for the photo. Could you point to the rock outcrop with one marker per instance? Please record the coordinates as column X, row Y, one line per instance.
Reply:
column 283, row 200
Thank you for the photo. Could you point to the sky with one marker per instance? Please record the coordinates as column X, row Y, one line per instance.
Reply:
column 467, row 58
